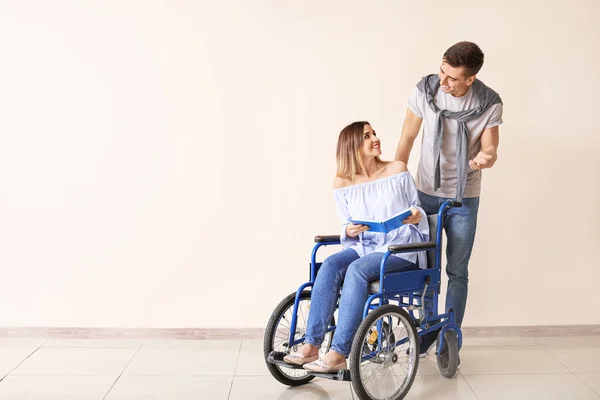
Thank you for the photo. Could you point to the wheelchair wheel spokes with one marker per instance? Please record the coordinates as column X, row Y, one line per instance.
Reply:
column 282, row 334
column 384, row 357
column 386, row 372
column 282, row 337
column 277, row 337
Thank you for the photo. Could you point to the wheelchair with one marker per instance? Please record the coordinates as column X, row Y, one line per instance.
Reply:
column 401, row 307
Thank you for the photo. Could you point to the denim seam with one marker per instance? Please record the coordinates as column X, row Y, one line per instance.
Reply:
column 343, row 353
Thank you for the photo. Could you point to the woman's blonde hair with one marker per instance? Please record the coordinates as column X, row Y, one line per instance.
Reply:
column 349, row 151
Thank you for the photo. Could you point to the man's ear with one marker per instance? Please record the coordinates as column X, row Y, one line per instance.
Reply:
column 471, row 79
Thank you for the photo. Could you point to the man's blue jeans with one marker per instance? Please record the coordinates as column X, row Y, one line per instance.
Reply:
column 356, row 273
column 460, row 225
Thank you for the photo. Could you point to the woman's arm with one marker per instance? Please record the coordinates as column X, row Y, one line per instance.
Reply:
column 350, row 232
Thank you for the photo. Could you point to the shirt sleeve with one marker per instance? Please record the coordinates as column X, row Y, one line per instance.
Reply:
column 415, row 103
column 344, row 215
column 495, row 117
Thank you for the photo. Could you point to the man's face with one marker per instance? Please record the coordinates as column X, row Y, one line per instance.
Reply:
column 453, row 80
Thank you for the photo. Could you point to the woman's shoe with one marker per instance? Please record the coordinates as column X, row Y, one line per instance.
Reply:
column 297, row 358
column 321, row 367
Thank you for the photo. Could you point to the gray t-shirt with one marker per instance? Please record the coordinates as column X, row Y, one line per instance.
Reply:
column 418, row 105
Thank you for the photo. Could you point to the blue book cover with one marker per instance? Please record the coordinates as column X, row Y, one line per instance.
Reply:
column 386, row 226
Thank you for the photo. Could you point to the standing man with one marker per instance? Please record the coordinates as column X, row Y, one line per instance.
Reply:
column 461, row 116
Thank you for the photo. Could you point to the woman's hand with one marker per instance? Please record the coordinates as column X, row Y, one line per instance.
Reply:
column 353, row 231
column 414, row 218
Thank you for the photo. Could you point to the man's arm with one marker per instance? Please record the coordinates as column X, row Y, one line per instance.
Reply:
column 410, row 131
column 489, row 149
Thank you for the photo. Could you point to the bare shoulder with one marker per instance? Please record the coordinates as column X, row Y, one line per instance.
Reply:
column 396, row 167
column 339, row 182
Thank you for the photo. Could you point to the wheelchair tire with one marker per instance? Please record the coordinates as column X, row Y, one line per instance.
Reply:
column 447, row 359
column 290, row 377
column 385, row 358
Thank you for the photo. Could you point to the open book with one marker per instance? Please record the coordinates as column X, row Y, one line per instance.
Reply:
column 386, row 226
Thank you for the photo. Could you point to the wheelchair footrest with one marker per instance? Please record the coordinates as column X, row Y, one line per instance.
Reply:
column 276, row 357
column 343, row 375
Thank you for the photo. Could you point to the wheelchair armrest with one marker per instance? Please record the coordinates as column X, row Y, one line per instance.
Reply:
column 327, row 238
column 411, row 247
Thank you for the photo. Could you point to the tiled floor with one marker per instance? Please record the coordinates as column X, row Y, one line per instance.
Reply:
column 491, row 368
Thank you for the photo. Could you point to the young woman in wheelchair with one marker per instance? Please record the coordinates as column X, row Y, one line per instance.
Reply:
column 365, row 188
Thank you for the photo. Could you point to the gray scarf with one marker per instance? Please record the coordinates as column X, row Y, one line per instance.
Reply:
column 487, row 97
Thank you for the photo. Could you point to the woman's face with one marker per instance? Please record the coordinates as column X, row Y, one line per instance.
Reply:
column 371, row 143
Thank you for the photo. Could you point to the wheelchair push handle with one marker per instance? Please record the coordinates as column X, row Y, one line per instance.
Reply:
column 448, row 204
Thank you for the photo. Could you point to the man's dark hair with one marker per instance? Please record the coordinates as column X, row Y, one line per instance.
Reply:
column 467, row 55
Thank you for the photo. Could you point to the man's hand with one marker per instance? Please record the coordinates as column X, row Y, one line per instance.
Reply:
column 353, row 231
column 481, row 161
column 414, row 218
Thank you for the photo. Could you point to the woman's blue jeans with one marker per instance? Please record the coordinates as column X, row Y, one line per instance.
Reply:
column 356, row 273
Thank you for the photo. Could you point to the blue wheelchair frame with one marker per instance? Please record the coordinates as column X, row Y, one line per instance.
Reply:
column 396, row 286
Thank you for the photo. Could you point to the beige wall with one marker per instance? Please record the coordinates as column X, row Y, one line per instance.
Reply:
column 168, row 165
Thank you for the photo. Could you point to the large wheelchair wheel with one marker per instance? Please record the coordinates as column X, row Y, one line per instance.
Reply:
column 277, row 338
column 447, row 359
column 385, row 355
